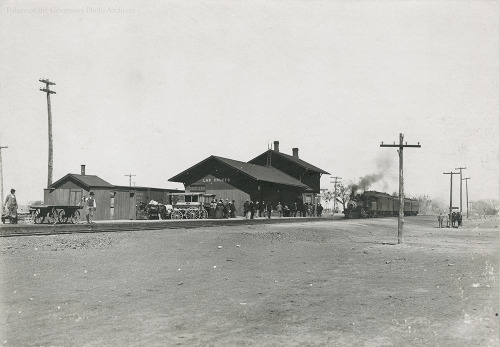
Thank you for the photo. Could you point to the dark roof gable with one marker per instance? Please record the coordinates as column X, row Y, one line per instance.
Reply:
column 257, row 172
column 293, row 159
column 89, row 181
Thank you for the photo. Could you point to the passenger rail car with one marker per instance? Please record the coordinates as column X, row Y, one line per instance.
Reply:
column 376, row 204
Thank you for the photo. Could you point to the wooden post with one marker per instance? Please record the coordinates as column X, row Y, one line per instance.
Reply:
column 1, row 175
column 451, row 192
column 467, row 195
column 51, row 150
column 335, row 193
column 401, row 184
column 401, row 217
column 460, row 168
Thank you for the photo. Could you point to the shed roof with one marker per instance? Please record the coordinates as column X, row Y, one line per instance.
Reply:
column 256, row 172
column 293, row 159
column 89, row 181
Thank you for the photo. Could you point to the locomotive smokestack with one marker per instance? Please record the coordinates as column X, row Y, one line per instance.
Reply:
column 295, row 152
column 277, row 146
column 83, row 170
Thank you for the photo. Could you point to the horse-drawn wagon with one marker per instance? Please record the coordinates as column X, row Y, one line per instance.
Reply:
column 190, row 205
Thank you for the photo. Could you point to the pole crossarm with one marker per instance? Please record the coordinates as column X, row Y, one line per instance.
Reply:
column 401, row 145
column 130, row 179
column 46, row 81
column 47, row 91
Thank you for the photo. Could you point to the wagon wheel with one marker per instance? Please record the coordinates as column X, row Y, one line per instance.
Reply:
column 38, row 217
column 176, row 214
column 62, row 217
column 191, row 214
column 203, row 214
column 51, row 216
column 32, row 216
column 75, row 217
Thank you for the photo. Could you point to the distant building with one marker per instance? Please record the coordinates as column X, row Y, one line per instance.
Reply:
column 271, row 176
column 113, row 202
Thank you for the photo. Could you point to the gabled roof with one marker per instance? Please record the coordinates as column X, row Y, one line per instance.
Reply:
column 291, row 158
column 256, row 172
column 89, row 181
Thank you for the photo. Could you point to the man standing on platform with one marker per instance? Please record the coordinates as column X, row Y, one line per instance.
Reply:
column 11, row 204
column 91, row 207
column 269, row 209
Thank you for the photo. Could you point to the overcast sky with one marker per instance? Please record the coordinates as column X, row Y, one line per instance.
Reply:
column 151, row 88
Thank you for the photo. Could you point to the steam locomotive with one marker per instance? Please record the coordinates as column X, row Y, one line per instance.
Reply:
column 375, row 204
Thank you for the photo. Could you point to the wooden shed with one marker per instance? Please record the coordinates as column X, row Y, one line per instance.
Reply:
column 113, row 202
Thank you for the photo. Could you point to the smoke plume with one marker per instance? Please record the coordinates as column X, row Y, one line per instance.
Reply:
column 385, row 166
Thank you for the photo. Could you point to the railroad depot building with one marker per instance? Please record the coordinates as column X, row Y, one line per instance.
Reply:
column 113, row 202
column 272, row 176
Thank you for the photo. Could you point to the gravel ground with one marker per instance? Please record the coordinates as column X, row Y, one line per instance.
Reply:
column 318, row 283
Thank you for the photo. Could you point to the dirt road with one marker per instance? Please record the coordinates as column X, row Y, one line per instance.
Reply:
column 323, row 283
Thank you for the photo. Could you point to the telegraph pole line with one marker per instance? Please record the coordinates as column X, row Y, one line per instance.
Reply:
column 467, row 194
column 1, row 173
column 130, row 179
column 451, row 192
column 401, row 182
column 51, row 150
column 335, row 193
column 460, row 168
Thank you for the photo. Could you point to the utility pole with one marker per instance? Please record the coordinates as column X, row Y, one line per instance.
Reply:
column 401, row 183
column 51, row 150
column 130, row 179
column 467, row 194
column 451, row 192
column 335, row 193
column 460, row 168
column 1, row 173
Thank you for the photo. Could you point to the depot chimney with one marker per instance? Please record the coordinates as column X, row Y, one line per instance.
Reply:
column 83, row 170
column 295, row 152
column 277, row 146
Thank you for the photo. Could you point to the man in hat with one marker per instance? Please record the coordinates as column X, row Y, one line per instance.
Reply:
column 440, row 220
column 11, row 204
column 246, row 209
column 91, row 207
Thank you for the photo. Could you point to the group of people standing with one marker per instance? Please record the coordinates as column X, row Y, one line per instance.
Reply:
column 222, row 209
column 259, row 209
column 264, row 209
column 456, row 220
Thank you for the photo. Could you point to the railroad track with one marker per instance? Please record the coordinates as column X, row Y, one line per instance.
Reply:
column 22, row 229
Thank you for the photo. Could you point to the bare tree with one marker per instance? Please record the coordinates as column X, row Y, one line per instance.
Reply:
column 328, row 195
column 343, row 194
